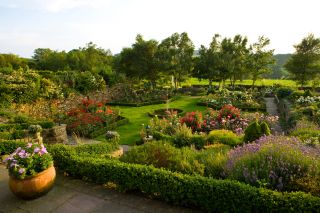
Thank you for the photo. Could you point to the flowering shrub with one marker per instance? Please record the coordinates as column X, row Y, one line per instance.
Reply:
column 227, row 118
column 305, row 101
column 228, row 112
column 89, row 116
column 27, row 161
column 192, row 120
column 236, row 98
column 167, row 125
column 274, row 162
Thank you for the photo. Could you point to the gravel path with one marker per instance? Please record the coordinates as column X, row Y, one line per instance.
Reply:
column 272, row 109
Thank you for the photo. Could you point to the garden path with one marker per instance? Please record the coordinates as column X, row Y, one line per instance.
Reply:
column 272, row 109
column 73, row 195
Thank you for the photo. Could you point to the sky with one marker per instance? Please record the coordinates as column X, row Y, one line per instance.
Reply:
column 113, row 24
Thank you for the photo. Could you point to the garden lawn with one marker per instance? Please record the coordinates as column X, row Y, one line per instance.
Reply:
column 137, row 116
column 262, row 82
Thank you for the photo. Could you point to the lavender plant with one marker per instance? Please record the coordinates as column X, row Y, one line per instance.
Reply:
column 275, row 162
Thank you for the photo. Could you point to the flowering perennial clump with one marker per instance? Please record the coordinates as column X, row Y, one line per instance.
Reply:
column 276, row 162
column 27, row 161
column 304, row 101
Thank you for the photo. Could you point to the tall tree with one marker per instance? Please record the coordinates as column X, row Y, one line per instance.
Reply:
column 259, row 59
column 176, row 54
column 304, row 64
column 234, row 53
column 140, row 61
column 208, row 63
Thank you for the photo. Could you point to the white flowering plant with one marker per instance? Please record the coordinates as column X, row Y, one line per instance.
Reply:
column 28, row 161
column 307, row 100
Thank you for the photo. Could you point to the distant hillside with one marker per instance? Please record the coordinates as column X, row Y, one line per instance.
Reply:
column 278, row 71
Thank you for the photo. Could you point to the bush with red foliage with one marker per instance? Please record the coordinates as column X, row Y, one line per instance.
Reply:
column 193, row 120
column 89, row 116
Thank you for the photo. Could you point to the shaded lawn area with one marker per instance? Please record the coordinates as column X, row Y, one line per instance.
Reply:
column 137, row 116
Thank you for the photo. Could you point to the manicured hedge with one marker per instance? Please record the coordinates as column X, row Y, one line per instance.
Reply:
column 23, row 126
column 194, row 191
column 7, row 147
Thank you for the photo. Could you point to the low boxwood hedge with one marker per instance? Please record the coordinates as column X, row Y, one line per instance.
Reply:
column 24, row 126
column 7, row 147
column 192, row 191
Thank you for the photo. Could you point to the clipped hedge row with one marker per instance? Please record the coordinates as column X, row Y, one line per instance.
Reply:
column 23, row 126
column 7, row 147
column 193, row 191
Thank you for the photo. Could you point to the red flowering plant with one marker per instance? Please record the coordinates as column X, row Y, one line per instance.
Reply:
column 89, row 116
column 229, row 118
column 193, row 120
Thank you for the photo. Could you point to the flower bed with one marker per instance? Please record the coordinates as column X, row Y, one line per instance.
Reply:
column 90, row 117
column 243, row 100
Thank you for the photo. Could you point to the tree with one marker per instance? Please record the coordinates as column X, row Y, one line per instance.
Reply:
column 140, row 61
column 208, row 63
column 234, row 54
column 304, row 64
column 259, row 59
column 176, row 55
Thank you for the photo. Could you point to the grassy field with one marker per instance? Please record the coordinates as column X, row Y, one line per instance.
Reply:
column 262, row 82
column 137, row 116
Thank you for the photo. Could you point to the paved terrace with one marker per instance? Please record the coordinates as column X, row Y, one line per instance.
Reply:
column 71, row 195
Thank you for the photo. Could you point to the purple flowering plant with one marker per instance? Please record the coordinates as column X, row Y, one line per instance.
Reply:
column 275, row 162
column 28, row 161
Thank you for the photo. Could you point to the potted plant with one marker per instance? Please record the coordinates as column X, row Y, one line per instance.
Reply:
column 31, row 171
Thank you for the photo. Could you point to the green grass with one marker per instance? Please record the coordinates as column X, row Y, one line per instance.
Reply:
column 137, row 116
column 262, row 82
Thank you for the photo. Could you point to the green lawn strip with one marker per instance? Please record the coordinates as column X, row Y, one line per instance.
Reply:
column 137, row 116
column 262, row 82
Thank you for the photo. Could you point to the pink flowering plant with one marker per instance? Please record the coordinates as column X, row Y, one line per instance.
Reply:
column 28, row 161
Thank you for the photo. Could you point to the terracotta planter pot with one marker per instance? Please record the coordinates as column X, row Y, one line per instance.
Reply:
column 35, row 186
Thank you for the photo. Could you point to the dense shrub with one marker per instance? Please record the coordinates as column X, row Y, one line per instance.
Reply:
column 255, row 130
column 284, row 92
column 192, row 120
column 273, row 162
column 164, row 155
column 307, row 132
column 183, row 136
column 214, row 158
column 223, row 136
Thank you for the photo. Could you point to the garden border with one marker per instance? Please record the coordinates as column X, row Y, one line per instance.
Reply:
column 192, row 191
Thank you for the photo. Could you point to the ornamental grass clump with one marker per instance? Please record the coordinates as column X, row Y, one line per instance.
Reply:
column 275, row 162
column 28, row 160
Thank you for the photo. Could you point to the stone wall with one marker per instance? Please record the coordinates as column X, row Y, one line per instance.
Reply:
column 57, row 134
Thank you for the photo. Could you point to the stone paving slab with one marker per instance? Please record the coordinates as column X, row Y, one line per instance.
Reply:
column 71, row 195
